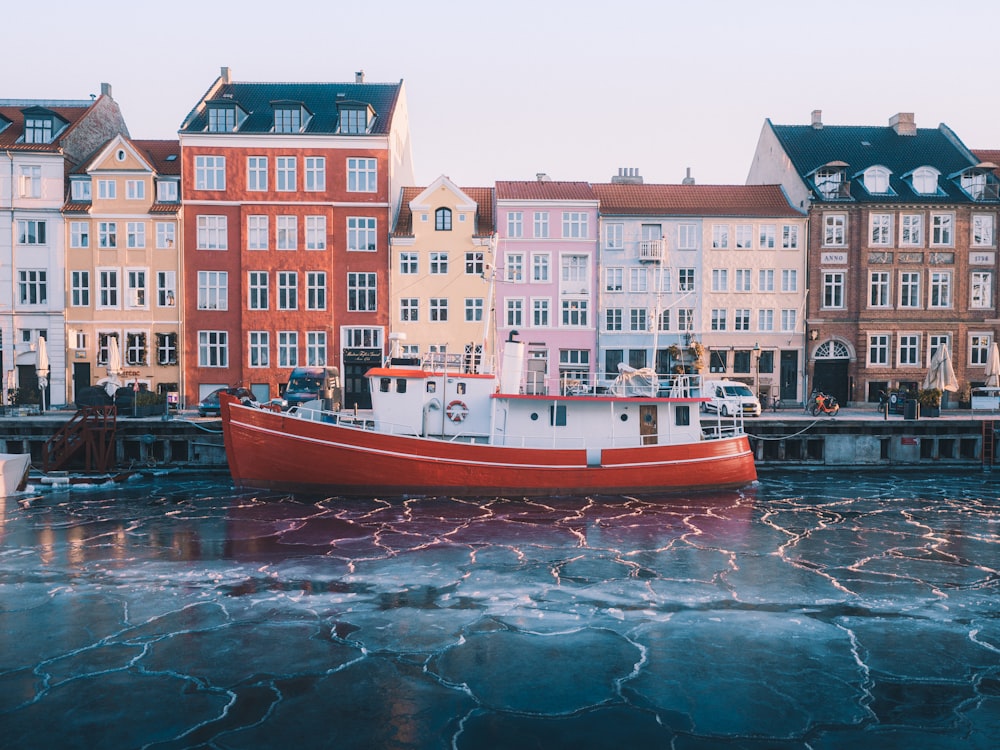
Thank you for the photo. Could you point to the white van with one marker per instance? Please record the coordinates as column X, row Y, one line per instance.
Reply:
column 729, row 397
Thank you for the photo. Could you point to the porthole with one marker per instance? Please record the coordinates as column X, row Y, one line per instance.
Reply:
column 624, row 417
column 534, row 416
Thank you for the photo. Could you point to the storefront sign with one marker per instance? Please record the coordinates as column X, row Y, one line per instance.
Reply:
column 839, row 259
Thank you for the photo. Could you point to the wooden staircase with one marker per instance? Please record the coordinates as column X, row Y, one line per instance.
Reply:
column 92, row 430
column 989, row 444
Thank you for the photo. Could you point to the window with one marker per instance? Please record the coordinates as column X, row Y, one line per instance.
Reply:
column 166, row 288
column 258, row 290
column 664, row 322
column 408, row 263
column 257, row 233
column 32, row 287
column 353, row 120
column 221, row 119
column 718, row 319
column 878, row 350
column 37, row 129
column 979, row 347
column 288, row 349
column 687, row 236
column 474, row 264
column 315, row 290
column 834, row 230
column 409, row 309
column 925, row 180
column 829, row 182
column 514, row 317
column 473, row 309
column 574, row 313
column 315, row 233
column 315, row 348
column 765, row 320
column 166, row 191
column 286, row 230
column 135, row 190
column 107, row 189
column 909, row 289
column 259, row 348
column 287, row 286
column 981, row 290
column 638, row 280
column 767, row 236
column 166, row 234
column 720, row 236
column 315, row 174
column 107, row 234
column 514, row 270
column 361, row 176
column 909, row 350
column 79, row 285
column 685, row 319
column 213, row 290
column 540, row 313
column 744, row 236
column 941, row 229
column 166, row 348
column 685, row 279
column 287, row 120
column 833, row 289
column 911, row 232
column 539, row 268
column 613, row 358
column 637, row 319
column 614, row 279
column 285, row 173
column 720, row 280
column 442, row 220
column 878, row 289
column 575, row 225
column 135, row 234
column 107, row 288
column 876, row 180
column 541, row 224
column 940, row 289
column 880, row 229
column 30, row 232
column 439, row 263
column 210, row 172
column 79, row 190
column 361, row 292
column 743, row 279
column 741, row 319
column 575, row 270
column 614, row 236
column 361, row 233
column 765, row 280
column 789, row 320
column 31, row 182
column 212, row 233
column 613, row 319
column 103, row 345
column 515, row 224
column 256, row 173
column 439, row 309
column 789, row 280
column 135, row 292
column 934, row 342
column 982, row 230
column 789, row 237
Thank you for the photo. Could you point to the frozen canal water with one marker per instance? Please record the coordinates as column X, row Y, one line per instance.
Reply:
column 813, row 611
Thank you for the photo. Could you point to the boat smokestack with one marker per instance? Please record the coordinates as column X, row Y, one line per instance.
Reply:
column 513, row 366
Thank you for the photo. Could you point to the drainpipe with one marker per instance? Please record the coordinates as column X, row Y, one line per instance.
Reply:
column 13, row 287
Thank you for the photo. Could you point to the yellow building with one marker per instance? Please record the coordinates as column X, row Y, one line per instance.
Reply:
column 440, row 274
column 122, row 264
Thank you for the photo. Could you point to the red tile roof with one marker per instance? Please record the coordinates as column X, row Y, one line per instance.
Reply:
column 15, row 113
column 694, row 200
column 159, row 153
column 537, row 190
column 483, row 197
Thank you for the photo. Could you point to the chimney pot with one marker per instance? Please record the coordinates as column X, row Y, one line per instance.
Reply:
column 689, row 180
column 359, row 77
column 903, row 123
column 106, row 90
column 817, row 119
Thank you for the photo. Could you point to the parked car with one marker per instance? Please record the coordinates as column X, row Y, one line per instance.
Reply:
column 210, row 404
column 308, row 384
column 729, row 397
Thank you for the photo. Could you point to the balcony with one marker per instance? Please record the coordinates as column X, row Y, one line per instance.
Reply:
column 651, row 251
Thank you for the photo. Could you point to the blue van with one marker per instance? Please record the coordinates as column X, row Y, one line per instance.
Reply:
column 309, row 384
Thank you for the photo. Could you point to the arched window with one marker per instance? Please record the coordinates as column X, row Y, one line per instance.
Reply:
column 877, row 180
column 832, row 350
column 442, row 220
column 925, row 180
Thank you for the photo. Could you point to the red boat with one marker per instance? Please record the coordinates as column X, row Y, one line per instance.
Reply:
column 435, row 431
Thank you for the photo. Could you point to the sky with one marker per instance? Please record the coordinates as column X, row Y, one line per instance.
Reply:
column 507, row 90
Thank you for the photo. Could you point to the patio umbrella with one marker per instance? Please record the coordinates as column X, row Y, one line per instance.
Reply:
column 42, row 367
column 112, row 382
column 941, row 374
column 993, row 367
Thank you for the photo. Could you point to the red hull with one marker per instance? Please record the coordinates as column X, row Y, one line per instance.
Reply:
column 270, row 450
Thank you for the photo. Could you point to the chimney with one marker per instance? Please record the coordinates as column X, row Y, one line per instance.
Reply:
column 903, row 123
column 224, row 74
column 689, row 180
column 106, row 90
column 627, row 176
column 817, row 119
column 359, row 77
column 542, row 177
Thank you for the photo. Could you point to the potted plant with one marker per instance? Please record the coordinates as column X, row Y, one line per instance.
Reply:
column 698, row 352
column 930, row 402
column 149, row 404
column 965, row 396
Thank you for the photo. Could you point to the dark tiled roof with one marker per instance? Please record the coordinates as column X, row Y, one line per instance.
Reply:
column 14, row 113
column 255, row 99
column 693, row 200
column 537, row 190
column 863, row 146
column 483, row 197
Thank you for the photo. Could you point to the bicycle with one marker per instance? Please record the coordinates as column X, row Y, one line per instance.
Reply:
column 772, row 402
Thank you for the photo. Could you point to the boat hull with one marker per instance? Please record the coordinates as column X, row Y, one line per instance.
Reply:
column 272, row 450
column 13, row 472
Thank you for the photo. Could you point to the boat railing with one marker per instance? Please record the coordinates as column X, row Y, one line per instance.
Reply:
column 715, row 426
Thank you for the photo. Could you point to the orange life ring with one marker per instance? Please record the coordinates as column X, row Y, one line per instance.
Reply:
column 457, row 411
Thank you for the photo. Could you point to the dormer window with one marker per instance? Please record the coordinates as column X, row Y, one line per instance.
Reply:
column 355, row 117
column 166, row 191
column 831, row 181
column 925, row 181
column 976, row 182
column 442, row 220
column 38, row 129
column 80, row 190
column 289, row 117
column 876, row 180
column 224, row 118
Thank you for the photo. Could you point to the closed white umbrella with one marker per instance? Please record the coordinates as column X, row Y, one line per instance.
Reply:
column 42, row 367
column 941, row 374
column 993, row 367
column 112, row 382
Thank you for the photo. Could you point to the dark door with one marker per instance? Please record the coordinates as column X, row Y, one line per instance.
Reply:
column 648, row 427
column 788, row 386
column 830, row 376
column 81, row 377
column 356, row 363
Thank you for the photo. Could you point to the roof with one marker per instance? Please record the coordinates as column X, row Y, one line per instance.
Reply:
column 539, row 190
column 320, row 99
column 483, row 196
column 159, row 153
column 694, row 200
column 864, row 146
column 990, row 156
column 12, row 111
